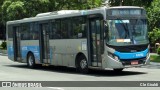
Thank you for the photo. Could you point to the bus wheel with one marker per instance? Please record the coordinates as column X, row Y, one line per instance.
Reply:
column 82, row 64
column 118, row 69
column 31, row 61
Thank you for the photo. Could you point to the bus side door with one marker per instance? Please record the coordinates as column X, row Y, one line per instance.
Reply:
column 16, row 41
column 96, row 41
column 44, row 43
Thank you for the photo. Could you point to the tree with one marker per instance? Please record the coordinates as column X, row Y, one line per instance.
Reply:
column 153, row 13
column 33, row 7
column 142, row 3
column 18, row 9
column 154, row 36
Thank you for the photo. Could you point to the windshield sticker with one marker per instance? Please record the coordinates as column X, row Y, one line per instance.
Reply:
column 120, row 40
column 123, row 40
column 127, row 40
column 121, row 21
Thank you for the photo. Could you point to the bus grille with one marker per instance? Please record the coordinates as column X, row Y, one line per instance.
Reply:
column 128, row 61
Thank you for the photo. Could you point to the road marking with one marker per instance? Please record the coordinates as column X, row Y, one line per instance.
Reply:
column 56, row 88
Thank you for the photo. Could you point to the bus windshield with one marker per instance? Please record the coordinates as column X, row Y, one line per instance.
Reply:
column 127, row 32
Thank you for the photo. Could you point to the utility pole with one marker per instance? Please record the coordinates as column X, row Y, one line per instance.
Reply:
column 121, row 2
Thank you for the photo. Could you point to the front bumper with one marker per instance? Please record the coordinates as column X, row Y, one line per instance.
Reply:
column 109, row 62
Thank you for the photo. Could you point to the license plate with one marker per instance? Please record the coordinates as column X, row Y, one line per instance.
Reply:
column 134, row 62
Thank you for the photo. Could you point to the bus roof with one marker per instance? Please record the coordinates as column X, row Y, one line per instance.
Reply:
column 58, row 14
column 121, row 7
column 65, row 14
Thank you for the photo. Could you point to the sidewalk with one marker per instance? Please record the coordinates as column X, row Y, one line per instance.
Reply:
column 152, row 65
column 3, row 52
column 153, row 54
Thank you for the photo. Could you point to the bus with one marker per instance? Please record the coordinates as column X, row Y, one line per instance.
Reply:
column 101, row 38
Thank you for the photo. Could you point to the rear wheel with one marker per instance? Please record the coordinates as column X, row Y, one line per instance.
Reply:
column 31, row 61
column 82, row 64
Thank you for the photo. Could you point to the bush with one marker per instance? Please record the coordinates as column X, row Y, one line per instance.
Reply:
column 154, row 35
column 4, row 45
column 158, row 51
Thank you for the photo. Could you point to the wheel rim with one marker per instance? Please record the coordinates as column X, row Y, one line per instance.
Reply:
column 83, row 63
column 30, row 61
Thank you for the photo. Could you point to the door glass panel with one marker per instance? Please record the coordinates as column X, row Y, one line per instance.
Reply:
column 45, row 43
column 96, row 40
column 17, row 39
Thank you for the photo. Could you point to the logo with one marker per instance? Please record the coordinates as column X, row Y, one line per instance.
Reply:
column 6, row 84
column 139, row 55
column 133, row 50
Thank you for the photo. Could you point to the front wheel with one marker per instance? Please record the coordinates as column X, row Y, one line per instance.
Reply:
column 31, row 61
column 82, row 64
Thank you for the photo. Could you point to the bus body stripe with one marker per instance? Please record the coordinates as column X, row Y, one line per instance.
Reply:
column 33, row 49
column 134, row 55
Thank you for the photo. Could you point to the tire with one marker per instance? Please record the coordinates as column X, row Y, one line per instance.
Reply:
column 31, row 61
column 118, row 70
column 82, row 64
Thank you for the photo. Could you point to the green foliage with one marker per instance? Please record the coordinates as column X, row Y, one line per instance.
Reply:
column 18, row 9
column 34, row 7
column 155, row 58
column 158, row 51
column 153, row 13
column 154, row 35
column 142, row 3
column 4, row 45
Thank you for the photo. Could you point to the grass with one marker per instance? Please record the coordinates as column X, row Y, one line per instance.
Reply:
column 155, row 58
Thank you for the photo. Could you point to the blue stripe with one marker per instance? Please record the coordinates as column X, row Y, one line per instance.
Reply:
column 10, row 51
column 34, row 49
column 135, row 55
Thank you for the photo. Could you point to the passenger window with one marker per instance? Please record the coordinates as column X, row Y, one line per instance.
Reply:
column 79, row 27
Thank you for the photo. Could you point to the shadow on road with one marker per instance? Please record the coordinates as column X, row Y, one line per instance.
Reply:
column 97, row 73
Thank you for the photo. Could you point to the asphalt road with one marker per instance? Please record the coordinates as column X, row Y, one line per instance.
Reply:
column 13, row 71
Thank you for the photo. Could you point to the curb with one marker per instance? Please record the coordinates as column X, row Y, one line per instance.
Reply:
column 154, row 63
column 3, row 54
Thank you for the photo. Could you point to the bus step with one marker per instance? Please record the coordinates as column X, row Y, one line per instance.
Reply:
column 96, row 64
column 18, row 59
column 45, row 64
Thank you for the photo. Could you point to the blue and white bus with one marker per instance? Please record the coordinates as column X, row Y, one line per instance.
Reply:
column 101, row 38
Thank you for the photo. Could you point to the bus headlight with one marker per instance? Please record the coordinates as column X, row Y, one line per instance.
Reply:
column 113, row 56
column 116, row 58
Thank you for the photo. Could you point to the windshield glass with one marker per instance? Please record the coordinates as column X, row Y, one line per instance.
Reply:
column 127, row 32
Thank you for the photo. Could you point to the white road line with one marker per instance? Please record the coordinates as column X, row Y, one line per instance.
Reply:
column 56, row 88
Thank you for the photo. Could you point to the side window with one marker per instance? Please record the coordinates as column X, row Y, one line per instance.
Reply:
column 10, row 31
column 34, row 34
column 58, row 29
column 31, row 30
column 55, row 31
column 25, row 35
column 79, row 27
column 52, row 31
column 36, row 31
column 64, row 28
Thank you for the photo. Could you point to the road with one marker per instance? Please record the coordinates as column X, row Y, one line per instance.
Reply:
column 13, row 71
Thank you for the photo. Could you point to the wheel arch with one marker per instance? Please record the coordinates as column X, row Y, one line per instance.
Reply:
column 79, row 55
column 29, row 52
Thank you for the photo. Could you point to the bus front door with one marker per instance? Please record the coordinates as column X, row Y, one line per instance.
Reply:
column 44, row 43
column 95, row 42
column 17, row 39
